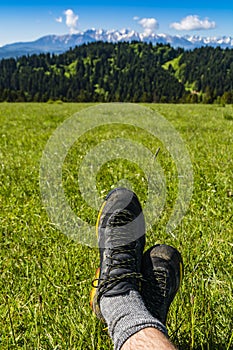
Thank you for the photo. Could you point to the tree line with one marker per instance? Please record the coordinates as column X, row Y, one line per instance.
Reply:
column 121, row 72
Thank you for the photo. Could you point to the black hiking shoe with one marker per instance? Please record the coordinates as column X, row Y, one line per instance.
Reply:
column 162, row 270
column 121, row 236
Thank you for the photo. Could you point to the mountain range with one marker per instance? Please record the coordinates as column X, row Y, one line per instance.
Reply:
column 60, row 43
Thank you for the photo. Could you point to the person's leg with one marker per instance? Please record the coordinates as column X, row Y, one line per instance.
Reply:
column 149, row 339
column 116, row 299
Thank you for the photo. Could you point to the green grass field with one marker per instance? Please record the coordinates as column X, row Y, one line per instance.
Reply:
column 46, row 277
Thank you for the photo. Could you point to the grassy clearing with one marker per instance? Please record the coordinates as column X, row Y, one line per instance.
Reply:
column 174, row 63
column 46, row 277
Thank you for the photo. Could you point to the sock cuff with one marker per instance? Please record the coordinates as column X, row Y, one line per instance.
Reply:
column 126, row 315
column 136, row 328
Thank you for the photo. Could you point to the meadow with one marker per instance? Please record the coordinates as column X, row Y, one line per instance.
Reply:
column 46, row 277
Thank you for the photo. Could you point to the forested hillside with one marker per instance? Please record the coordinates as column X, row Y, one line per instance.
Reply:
column 127, row 72
column 208, row 71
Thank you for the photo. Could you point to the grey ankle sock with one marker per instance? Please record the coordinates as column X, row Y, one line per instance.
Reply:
column 125, row 315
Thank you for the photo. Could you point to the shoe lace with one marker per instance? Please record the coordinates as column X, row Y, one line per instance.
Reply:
column 104, row 285
column 119, row 219
column 116, row 263
column 157, row 282
column 161, row 281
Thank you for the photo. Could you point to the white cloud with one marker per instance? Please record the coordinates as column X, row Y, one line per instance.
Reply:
column 193, row 22
column 59, row 19
column 71, row 21
column 148, row 24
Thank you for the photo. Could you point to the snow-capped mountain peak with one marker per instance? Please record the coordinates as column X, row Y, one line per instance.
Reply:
column 60, row 43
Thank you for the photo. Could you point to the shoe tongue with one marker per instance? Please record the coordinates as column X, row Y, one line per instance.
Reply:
column 120, row 236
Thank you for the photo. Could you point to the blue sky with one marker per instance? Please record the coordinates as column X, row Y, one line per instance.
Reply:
column 33, row 19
